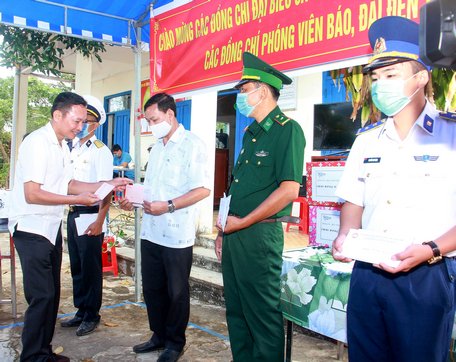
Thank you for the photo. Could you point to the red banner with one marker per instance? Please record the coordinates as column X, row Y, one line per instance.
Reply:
column 200, row 44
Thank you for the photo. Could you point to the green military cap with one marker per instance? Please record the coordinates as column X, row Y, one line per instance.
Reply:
column 257, row 70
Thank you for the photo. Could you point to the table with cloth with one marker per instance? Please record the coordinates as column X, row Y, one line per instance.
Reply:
column 315, row 293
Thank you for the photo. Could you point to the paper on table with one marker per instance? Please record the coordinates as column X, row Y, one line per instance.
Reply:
column 104, row 190
column 373, row 247
column 224, row 208
column 83, row 222
column 135, row 194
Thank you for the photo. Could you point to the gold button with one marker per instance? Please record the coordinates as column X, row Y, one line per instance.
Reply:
column 259, row 162
column 246, row 161
column 236, row 180
column 253, row 139
column 389, row 202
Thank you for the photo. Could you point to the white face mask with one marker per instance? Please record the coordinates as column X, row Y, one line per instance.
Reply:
column 161, row 129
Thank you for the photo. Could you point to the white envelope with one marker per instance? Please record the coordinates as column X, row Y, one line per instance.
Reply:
column 373, row 247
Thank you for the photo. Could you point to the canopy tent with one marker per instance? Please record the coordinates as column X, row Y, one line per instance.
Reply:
column 115, row 21
column 120, row 22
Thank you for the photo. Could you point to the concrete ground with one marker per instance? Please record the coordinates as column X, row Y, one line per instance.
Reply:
column 124, row 324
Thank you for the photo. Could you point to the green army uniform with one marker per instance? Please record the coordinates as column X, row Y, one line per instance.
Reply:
column 273, row 151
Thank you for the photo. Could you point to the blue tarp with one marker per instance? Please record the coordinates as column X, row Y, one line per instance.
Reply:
column 112, row 21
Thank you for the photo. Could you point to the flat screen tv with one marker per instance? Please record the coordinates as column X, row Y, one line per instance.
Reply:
column 333, row 128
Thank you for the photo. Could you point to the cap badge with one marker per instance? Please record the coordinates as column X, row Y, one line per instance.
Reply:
column 380, row 46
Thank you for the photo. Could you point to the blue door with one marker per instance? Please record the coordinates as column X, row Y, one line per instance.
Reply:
column 184, row 111
column 121, row 130
column 241, row 123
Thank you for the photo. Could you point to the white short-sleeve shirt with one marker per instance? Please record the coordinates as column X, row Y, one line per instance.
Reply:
column 92, row 161
column 406, row 187
column 173, row 170
column 41, row 159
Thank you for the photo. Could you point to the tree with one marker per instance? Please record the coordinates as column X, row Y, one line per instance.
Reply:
column 22, row 48
column 41, row 52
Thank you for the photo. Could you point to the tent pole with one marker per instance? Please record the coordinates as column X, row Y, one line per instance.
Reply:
column 137, row 128
column 13, row 151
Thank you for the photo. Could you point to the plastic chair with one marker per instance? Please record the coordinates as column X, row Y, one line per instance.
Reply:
column 109, row 257
column 303, row 225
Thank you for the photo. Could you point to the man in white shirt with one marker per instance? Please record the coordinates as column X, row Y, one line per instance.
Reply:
column 176, row 179
column 43, row 184
column 92, row 162
column 399, row 183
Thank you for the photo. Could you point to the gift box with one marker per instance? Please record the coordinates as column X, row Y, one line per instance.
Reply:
column 323, row 224
column 322, row 180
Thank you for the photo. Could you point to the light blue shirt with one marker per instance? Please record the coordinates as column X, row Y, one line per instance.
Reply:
column 173, row 170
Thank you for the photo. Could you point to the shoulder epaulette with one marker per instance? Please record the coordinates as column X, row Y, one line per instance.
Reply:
column 98, row 143
column 449, row 116
column 370, row 127
column 281, row 119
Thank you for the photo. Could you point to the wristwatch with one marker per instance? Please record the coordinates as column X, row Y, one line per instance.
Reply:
column 171, row 206
column 437, row 255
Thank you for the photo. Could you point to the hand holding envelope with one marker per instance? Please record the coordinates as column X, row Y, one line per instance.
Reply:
column 224, row 208
column 135, row 194
column 373, row 247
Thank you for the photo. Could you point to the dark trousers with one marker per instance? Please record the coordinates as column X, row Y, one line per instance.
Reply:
column 252, row 264
column 401, row 318
column 86, row 270
column 165, row 273
column 41, row 262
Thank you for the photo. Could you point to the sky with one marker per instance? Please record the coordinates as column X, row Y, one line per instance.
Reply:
column 6, row 72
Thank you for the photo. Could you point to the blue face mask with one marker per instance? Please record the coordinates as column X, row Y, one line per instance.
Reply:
column 388, row 95
column 243, row 105
column 83, row 132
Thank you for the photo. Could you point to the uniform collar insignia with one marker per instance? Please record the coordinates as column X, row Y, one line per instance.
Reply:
column 450, row 116
column 371, row 126
column 428, row 124
column 88, row 143
column 262, row 153
column 426, row 158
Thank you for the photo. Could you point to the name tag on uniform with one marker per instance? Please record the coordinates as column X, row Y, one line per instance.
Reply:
column 372, row 160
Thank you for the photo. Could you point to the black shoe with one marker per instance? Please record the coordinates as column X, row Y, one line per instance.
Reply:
column 148, row 346
column 169, row 355
column 57, row 358
column 73, row 322
column 87, row 327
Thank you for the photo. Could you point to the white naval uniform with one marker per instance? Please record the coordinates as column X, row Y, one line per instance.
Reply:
column 407, row 187
column 92, row 161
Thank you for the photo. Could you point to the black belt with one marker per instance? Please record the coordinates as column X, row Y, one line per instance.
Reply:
column 85, row 209
column 288, row 219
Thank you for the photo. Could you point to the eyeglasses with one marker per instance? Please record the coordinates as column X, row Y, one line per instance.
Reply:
column 88, row 122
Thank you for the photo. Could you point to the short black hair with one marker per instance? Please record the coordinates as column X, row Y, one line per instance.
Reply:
column 65, row 100
column 116, row 148
column 163, row 101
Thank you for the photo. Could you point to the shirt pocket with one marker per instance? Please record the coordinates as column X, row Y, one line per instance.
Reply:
column 373, row 177
column 261, row 170
column 430, row 183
